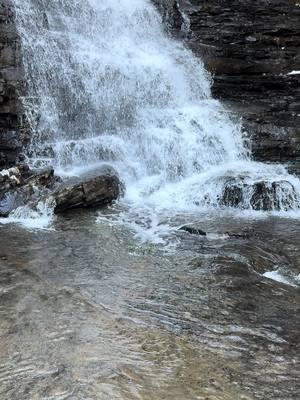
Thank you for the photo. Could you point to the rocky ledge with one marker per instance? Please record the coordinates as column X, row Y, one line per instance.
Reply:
column 19, row 186
column 251, row 47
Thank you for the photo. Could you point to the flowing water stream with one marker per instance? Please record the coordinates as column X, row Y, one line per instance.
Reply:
column 87, row 313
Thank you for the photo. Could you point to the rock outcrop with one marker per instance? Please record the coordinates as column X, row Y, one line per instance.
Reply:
column 251, row 47
column 95, row 191
column 21, row 186
column 14, row 131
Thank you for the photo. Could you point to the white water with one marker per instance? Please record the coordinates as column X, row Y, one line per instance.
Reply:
column 108, row 85
column 279, row 277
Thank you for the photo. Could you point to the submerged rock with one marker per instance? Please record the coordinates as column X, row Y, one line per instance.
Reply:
column 193, row 230
column 92, row 192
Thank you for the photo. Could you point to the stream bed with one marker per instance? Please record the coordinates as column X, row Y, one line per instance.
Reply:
column 89, row 312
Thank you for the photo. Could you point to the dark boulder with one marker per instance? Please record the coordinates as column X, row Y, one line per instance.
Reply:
column 92, row 192
column 264, row 196
column 193, row 230
column 279, row 195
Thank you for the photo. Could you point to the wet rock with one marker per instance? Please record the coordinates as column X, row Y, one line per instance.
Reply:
column 193, row 230
column 233, row 194
column 9, row 180
column 92, row 192
column 14, row 129
column 7, row 204
column 265, row 196
column 44, row 178
column 20, row 186
column 275, row 195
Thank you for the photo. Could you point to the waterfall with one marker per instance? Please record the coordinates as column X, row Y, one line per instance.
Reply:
column 106, row 84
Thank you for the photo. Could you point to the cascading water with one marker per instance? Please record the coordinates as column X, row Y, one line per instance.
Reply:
column 107, row 85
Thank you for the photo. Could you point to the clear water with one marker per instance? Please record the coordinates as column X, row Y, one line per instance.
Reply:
column 106, row 84
column 87, row 313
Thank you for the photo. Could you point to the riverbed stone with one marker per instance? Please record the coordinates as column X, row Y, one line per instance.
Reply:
column 193, row 230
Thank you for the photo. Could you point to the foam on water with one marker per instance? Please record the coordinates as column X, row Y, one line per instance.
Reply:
column 107, row 84
column 39, row 218
column 281, row 278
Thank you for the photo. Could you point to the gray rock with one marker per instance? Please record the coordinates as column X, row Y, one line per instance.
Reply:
column 259, row 196
column 91, row 192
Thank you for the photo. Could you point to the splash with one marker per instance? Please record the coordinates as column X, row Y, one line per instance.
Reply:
column 40, row 217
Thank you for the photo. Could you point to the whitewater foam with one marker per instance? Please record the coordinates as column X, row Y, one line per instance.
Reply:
column 39, row 218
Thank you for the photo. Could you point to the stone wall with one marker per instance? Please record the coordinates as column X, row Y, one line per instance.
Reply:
column 13, row 128
column 250, row 46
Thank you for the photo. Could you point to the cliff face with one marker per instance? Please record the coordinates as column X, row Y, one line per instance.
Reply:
column 250, row 46
column 13, row 131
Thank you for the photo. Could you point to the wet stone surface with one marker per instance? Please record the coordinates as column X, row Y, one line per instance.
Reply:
column 87, row 312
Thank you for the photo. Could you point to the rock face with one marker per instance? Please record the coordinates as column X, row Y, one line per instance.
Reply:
column 250, row 46
column 14, row 132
